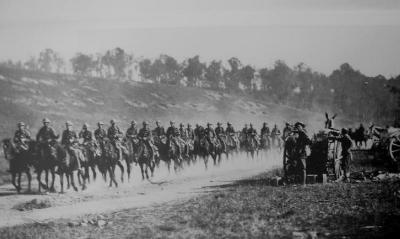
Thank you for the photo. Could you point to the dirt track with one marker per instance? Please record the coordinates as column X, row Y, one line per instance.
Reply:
column 164, row 187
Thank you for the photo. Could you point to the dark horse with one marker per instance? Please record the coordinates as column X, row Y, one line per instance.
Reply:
column 360, row 136
column 47, row 162
column 145, row 159
column 20, row 161
column 108, row 161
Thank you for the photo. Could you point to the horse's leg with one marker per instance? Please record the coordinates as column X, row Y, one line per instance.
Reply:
column 128, row 169
column 87, row 176
column 13, row 177
column 39, row 172
column 29, row 176
column 47, row 177
column 115, row 180
column 142, row 170
column 94, row 172
column 19, row 181
column 62, row 182
column 67, row 176
column 121, row 167
column 73, row 181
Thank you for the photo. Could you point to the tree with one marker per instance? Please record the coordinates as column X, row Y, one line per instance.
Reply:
column 145, row 69
column 46, row 59
column 247, row 76
column 32, row 64
column 193, row 70
column 214, row 74
column 82, row 64
column 232, row 77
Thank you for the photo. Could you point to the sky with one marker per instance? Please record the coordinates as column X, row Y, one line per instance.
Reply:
column 321, row 33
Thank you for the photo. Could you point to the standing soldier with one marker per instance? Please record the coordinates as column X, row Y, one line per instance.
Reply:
column 145, row 136
column 100, row 132
column 45, row 135
column 132, row 131
column 86, row 134
column 346, row 144
column 69, row 140
column 301, row 143
column 114, row 134
column 21, row 136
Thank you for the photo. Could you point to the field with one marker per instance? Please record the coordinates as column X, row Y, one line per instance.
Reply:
column 244, row 209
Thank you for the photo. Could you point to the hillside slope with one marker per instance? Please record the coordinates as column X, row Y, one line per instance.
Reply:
column 30, row 96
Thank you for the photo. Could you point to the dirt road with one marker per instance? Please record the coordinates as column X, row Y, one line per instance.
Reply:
column 164, row 187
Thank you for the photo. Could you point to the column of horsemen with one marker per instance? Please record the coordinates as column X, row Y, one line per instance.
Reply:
column 187, row 141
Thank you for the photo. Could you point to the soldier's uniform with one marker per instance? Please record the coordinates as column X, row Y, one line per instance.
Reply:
column 190, row 133
column 45, row 134
column 199, row 131
column 301, row 143
column 230, row 130
column 219, row 131
column 210, row 134
column 68, row 137
column 346, row 144
column 286, row 131
column 20, row 138
column 115, row 134
column 131, row 132
column 86, row 135
column 173, row 135
column 182, row 132
column 159, row 131
column 265, row 131
column 145, row 135
column 100, row 134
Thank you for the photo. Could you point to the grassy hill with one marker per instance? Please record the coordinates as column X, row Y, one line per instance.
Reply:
column 30, row 96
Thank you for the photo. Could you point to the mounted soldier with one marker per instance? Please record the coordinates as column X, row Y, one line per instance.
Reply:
column 265, row 134
column 210, row 134
column 252, row 134
column 159, row 130
column 69, row 140
column 302, row 142
column 86, row 135
column 275, row 134
column 230, row 131
column 220, row 133
column 190, row 132
column 173, row 136
column 132, row 132
column 45, row 136
column 100, row 133
column 199, row 131
column 21, row 137
column 231, row 139
column 286, row 131
column 265, row 130
column 114, row 134
column 182, row 132
column 146, row 137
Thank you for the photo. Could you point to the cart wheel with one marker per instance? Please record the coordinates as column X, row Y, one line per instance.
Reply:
column 394, row 148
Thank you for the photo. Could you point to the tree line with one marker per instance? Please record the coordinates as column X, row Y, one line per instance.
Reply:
column 345, row 91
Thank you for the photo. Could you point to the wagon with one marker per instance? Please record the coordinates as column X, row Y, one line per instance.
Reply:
column 386, row 143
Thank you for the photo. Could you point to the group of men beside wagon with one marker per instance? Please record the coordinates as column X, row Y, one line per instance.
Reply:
column 180, row 136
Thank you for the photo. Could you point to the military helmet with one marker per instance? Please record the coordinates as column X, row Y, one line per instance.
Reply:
column 189, row 124
column 172, row 122
column 218, row 123
column 251, row 125
column 245, row 125
column 157, row 121
column 181, row 124
column 145, row 123
column 68, row 123
column 265, row 123
column 112, row 121
column 21, row 124
column 228, row 123
column 208, row 124
column 100, row 123
column 85, row 125
column 46, row 120
column 133, row 122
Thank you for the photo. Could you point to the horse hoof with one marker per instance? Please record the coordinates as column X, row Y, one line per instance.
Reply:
column 76, row 189
column 53, row 190
column 84, row 187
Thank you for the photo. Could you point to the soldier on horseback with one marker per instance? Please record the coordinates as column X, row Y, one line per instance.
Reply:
column 252, row 134
column 21, row 136
column 286, row 131
column 265, row 133
column 45, row 136
column 173, row 136
column 182, row 132
column 275, row 134
column 69, row 140
column 190, row 132
column 210, row 134
column 159, row 130
column 100, row 133
column 86, row 134
column 132, row 131
column 198, row 131
column 145, row 136
column 114, row 134
column 220, row 132
column 229, row 129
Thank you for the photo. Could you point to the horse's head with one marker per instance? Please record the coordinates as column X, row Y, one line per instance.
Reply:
column 9, row 149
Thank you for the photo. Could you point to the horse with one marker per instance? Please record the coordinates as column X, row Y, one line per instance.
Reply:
column 92, row 154
column 145, row 159
column 276, row 142
column 232, row 143
column 19, row 163
column 251, row 146
column 68, row 163
column 265, row 142
column 359, row 136
column 108, row 161
column 206, row 149
column 47, row 162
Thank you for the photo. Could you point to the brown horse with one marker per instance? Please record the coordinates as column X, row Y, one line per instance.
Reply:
column 19, row 163
column 92, row 154
column 47, row 162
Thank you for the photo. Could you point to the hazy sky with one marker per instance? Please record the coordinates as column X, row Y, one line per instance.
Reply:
column 321, row 33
